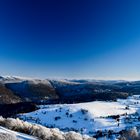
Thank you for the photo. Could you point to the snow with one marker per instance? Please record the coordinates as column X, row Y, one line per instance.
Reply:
column 18, row 79
column 86, row 118
column 20, row 136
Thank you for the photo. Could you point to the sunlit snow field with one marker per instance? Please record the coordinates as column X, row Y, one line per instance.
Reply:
column 88, row 118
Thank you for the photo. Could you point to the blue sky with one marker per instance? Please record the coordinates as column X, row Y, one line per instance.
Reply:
column 97, row 39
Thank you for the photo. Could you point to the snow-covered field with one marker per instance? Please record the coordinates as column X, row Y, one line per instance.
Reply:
column 88, row 118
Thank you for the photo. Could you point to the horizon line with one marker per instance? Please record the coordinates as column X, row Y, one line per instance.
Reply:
column 68, row 78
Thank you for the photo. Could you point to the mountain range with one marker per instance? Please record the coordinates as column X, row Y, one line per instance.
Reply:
column 17, row 89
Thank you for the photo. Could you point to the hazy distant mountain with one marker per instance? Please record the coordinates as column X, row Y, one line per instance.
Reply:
column 27, row 89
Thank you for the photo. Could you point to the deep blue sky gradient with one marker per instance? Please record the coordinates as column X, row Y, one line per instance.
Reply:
column 70, row 38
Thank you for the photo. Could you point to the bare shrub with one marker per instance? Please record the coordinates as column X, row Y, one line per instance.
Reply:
column 73, row 136
column 84, row 111
column 57, row 134
column 39, row 131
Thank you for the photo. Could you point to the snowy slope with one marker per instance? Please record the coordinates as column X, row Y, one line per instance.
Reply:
column 86, row 118
column 11, row 79
column 20, row 136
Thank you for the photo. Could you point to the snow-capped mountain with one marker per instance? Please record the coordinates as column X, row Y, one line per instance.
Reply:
column 68, row 91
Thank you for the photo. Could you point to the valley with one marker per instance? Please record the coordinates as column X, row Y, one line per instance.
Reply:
column 95, row 108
